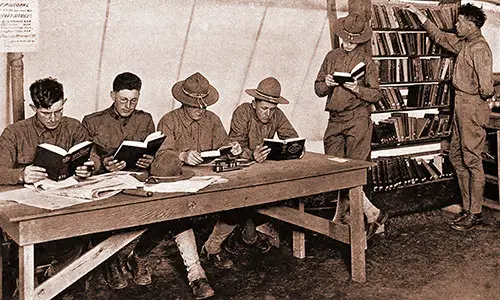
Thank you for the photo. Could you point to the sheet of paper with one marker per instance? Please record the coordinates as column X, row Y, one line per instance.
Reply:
column 29, row 196
column 338, row 159
column 52, row 195
column 191, row 185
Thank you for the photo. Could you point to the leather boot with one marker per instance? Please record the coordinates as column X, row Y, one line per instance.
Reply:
column 470, row 222
column 113, row 273
column 139, row 268
column 201, row 289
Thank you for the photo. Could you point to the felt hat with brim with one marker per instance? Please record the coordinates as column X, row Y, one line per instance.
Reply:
column 354, row 28
column 269, row 90
column 195, row 91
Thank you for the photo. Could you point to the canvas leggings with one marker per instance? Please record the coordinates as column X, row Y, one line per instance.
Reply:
column 467, row 143
column 348, row 134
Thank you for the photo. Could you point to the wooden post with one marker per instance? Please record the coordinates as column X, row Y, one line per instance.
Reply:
column 16, row 69
column 26, row 272
column 358, row 236
column 331, row 8
column 299, row 238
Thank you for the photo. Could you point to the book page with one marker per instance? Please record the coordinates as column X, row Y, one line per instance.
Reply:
column 210, row 153
column 53, row 148
column 79, row 146
column 153, row 136
column 133, row 144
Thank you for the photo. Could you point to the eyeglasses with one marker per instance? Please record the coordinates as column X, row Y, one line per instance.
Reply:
column 125, row 100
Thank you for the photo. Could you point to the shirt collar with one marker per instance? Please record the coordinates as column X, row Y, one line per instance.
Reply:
column 115, row 115
column 473, row 35
column 39, row 127
column 186, row 119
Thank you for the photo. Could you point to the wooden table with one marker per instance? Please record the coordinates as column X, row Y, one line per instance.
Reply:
column 258, row 184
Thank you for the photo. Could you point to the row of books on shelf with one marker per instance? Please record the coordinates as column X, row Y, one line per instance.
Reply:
column 415, row 69
column 394, row 172
column 397, row 17
column 401, row 43
column 421, row 96
column 400, row 127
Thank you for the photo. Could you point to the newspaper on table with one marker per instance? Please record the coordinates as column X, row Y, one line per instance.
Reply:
column 191, row 185
column 49, row 194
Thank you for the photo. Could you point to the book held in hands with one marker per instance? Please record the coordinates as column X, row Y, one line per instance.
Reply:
column 285, row 149
column 59, row 163
column 356, row 73
column 131, row 151
column 210, row 155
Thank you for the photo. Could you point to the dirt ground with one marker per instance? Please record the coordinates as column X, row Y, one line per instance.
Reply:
column 419, row 257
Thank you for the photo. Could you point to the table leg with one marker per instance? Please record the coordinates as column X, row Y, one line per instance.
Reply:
column 498, row 164
column 358, row 236
column 299, row 239
column 26, row 272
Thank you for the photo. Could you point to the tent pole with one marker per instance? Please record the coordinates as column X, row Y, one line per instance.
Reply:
column 16, row 69
column 331, row 9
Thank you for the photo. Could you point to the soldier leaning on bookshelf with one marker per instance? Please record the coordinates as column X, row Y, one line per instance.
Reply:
column 18, row 144
column 473, row 81
column 349, row 129
column 251, row 123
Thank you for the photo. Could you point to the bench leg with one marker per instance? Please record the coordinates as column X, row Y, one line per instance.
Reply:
column 299, row 239
column 26, row 272
column 358, row 236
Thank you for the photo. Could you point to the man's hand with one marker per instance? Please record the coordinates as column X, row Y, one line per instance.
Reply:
column 145, row 161
column 191, row 157
column 260, row 153
column 353, row 86
column 329, row 81
column 85, row 170
column 420, row 15
column 33, row 174
column 112, row 165
column 236, row 148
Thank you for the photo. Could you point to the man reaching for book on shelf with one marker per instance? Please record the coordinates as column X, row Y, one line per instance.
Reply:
column 473, row 81
column 251, row 123
column 349, row 130
column 18, row 144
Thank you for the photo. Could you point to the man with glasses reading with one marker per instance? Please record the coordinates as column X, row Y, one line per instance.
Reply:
column 108, row 128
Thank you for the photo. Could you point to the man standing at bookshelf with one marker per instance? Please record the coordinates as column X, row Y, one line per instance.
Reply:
column 349, row 129
column 473, row 81
column 18, row 144
column 251, row 123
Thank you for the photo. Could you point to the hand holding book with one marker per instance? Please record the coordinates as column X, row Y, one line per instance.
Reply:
column 260, row 153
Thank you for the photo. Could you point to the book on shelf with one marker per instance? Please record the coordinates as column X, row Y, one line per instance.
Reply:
column 131, row 151
column 209, row 155
column 392, row 172
column 356, row 72
column 285, row 149
column 59, row 163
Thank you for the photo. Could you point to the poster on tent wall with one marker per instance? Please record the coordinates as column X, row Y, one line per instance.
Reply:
column 19, row 25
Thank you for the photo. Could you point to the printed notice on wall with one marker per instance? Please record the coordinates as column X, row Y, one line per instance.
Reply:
column 19, row 25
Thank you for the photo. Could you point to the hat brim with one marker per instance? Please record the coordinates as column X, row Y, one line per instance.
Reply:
column 338, row 26
column 179, row 95
column 253, row 93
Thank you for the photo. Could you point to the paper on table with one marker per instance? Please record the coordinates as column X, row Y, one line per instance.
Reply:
column 192, row 185
column 338, row 159
column 29, row 196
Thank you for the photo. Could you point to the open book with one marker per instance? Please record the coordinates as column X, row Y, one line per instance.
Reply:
column 60, row 163
column 131, row 151
column 356, row 73
column 285, row 149
column 209, row 156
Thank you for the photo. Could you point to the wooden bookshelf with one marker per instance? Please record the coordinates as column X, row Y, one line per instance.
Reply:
column 414, row 72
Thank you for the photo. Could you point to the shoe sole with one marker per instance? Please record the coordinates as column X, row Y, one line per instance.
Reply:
column 129, row 268
column 206, row 296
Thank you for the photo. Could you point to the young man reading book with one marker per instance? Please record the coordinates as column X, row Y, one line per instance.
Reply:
column 108, row 129
column 473, row 82
column 18, row 144
column 349, row 129
column 251, row 123
column 191, row 130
